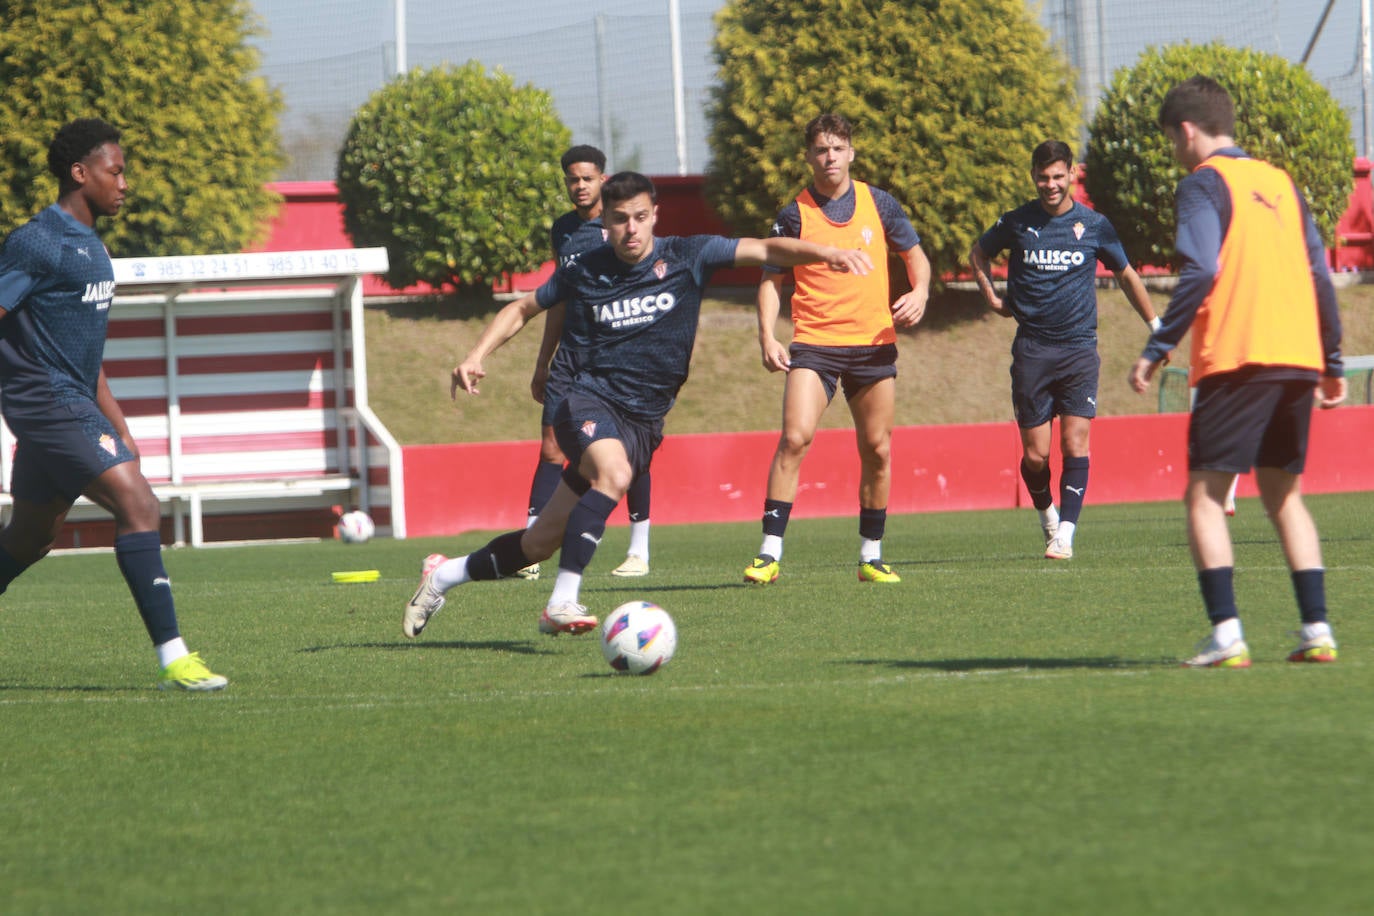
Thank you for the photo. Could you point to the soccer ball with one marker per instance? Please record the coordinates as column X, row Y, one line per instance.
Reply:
column 356, row 527
column 638, row 637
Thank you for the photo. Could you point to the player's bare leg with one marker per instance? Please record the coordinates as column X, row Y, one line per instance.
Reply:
column 1035, row 473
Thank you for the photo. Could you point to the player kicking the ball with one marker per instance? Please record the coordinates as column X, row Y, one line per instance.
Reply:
column 1053, row 245
column 631, row 310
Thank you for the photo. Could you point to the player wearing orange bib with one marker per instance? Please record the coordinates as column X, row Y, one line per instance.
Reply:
column 844, row 335
column 1266, row 332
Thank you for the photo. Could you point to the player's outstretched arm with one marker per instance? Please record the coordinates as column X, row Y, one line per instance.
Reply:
column 503, row 327
column 1137, row 294
column 787, row 252
column 982, row 275
column 910, row 307
column 770, row 305
column 553, row 333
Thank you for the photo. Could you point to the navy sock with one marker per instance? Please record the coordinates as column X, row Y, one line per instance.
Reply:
column 775, row 514
column 10, row 568
column 1073, row 483
column 140, row 560
column 1038, row 486
column 637, row 500
column 1310, row 587
column 586, row 524
column 498, row 558
column 1218, row 593
column 546, row 477
column 872, row 523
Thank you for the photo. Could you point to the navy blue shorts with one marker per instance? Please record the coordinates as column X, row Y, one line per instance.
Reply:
column 854, row 367
column 59, row 455
column 1051, row 380
column 1241, row 421
column 562, row 369
column 582, row 419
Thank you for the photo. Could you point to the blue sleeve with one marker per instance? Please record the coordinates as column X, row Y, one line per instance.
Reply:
column 998, row 238
column 1328, row 314
column 1204, row 214
column 901, row 235
column 1110, row 251
column 786, row 226
column 717, row 251
column 22, row 266
column 551, row 292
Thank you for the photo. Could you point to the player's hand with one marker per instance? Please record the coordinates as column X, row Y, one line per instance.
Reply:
column 850, row 260
column 909, row 309
column 466, row 376
column 775, row 356
column 1142, row 372
column 538, row 383
column 1330, row 391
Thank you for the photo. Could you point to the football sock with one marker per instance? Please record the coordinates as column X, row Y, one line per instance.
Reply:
column 1038, row 486
column 1065, row 532
column 10, row 568
column 586, row 525
column 638, row 498
column 771, row 546
column 565, row 587
column 1049, row 515
column 1227, row 631
column 639, row 539
column 500, row 557
column 546, row 477
column 139, row 556
column 872, row 523
column 1313, row 630
column 870, row 551
column 775, row 515
column 1218, row 593
column 1310, row 587
column 1073, row 483
column 172, row 650
column 451, row 573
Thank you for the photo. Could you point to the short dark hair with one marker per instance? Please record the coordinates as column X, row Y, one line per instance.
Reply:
column 836, row 125
column 75, row 141
column 584, row 153
column 622, row 186
column 1050, row 152
column 1203, row 101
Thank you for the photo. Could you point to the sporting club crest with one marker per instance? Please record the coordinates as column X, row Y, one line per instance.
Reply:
column 108, row 444
column 660, row 268
column 1078, row 229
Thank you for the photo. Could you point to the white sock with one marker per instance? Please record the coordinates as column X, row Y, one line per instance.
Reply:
column 772, row 546
column 870, row 551
column 639, row 539
column 565, row 588
column 450, row 573
column 1226, row 632
column 1314, row 630
column 530, row 520
column 172, row 650
column 1049, row 516
column 1065, row 532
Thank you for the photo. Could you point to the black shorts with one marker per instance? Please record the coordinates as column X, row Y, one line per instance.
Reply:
column 854, row 367
column 561, row 372
column 1247, row 419
column 59, row 455
column 582, row 419
column 1051, row 380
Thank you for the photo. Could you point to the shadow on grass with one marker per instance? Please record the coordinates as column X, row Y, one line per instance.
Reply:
column 1015, row 664
column 498, row 645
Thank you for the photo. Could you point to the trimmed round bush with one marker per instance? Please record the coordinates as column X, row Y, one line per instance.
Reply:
column 1283, row 116
column 455, row 172
column 947, row 100
column 179, row 79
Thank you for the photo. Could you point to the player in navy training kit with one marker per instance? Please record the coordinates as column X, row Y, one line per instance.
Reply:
column 576, row 231
column 631, row 309
column 56, row 287
column 1054, row 244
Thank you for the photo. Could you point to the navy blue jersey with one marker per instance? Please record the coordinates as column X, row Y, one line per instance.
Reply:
column 634, row 324
column 56, row 286
column 1052, row 269
column 901, row 235
column 571, row 235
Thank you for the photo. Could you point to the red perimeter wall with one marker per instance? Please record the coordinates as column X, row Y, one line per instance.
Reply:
column 451, row 489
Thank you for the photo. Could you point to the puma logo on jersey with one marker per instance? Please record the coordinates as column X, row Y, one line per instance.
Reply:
column 1264, row 201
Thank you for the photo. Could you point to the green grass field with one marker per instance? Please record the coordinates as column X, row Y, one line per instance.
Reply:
column 997, row 734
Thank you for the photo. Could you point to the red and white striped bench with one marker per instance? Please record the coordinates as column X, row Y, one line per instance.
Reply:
column 243, row 378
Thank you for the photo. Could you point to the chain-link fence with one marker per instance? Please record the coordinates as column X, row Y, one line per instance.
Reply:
column 609, row 63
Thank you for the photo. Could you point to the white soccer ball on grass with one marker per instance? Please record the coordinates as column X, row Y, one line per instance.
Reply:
column 638, row 638
column 356, row 527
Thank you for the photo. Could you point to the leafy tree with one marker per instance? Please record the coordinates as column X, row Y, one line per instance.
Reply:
column 1282, row 115
column 177, row 77
column 455, row 172
column 947, row 98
